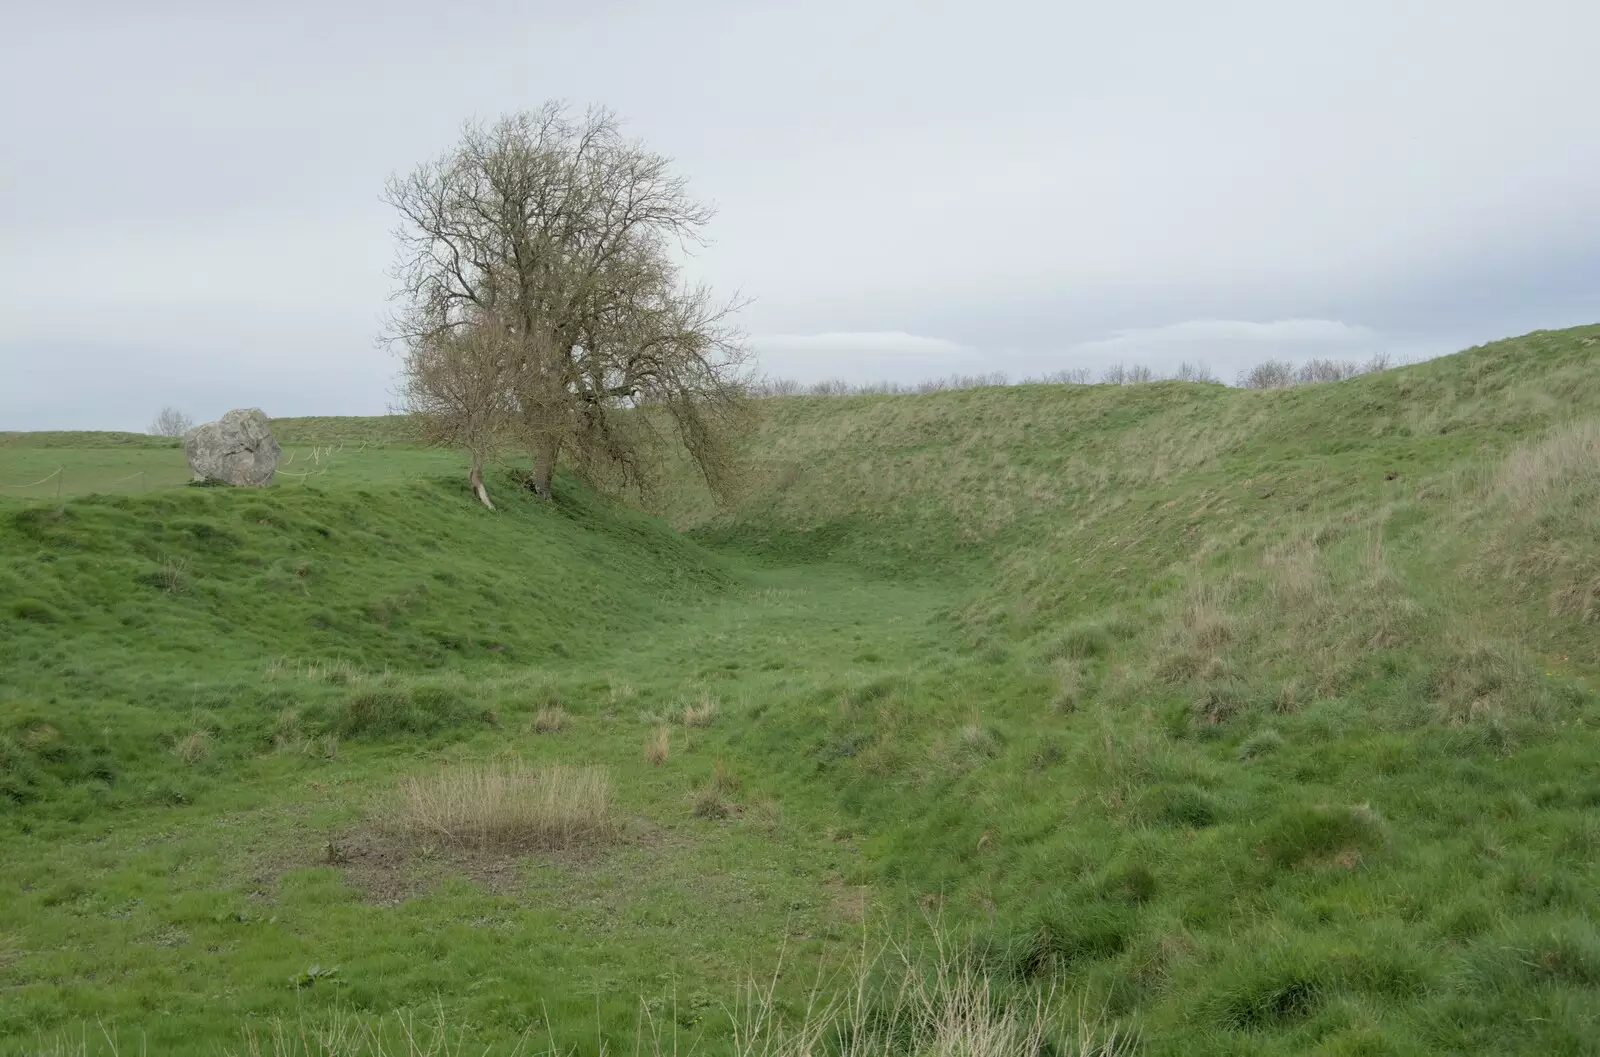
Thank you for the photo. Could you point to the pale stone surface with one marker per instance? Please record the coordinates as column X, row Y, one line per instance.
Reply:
column 237, row 448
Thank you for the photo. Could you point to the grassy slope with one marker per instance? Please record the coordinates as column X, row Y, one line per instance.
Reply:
column 1261, row 718
column 1277, row 728
column 205, row 690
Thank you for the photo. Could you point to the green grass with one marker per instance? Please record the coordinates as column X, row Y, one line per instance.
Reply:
column 51, row 466
column 1253, row 722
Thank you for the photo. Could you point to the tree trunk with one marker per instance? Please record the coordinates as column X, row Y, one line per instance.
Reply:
column 475, row 476
column 544, row 466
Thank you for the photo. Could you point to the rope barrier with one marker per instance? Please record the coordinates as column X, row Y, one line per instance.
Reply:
column 36, row 484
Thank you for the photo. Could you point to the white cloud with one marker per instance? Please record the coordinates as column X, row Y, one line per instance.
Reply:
column 1298, row 332
column 874, row 342
column 860, row 356
column 194, row 183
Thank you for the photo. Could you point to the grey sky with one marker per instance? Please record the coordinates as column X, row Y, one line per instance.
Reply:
column 191, row 210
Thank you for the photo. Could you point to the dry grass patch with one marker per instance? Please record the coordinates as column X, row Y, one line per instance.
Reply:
column 1206, row 622
column 701, row 713
column 708, row 802
column 659, row 748
column 194, row 747
column 551, row 719
column 889, row 1001
column 509, row 806
column 939, row 1003
column 1548, row 471
column 1478, row 678
column 1545, row 501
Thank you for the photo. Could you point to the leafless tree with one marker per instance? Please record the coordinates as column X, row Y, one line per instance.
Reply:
column 171, row 423
column 1272, row 374
column 558, row 234
column 1194, row 372
column 1278, row 374
column 1068, row 376
column 1120, row 374
column 458, row 385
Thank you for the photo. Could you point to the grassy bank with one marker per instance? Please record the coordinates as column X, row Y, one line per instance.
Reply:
column 1248, row 722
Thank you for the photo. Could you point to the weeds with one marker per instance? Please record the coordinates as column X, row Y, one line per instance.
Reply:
column 551, row 719
column 701, row 713
column 659, row 747
column 508, row 807
column 193, row 747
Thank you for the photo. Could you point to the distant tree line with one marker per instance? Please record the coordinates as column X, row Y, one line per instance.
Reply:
column 1273, row 374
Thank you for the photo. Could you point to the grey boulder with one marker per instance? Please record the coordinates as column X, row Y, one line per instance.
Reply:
column 238, row 448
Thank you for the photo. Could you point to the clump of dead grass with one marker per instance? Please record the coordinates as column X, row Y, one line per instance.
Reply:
column 1567, row 458
column 1545, row 505
column 892, row 999
column 707, row 802
column 901, row 999
column 551, row 719
column 701, row 713
column 1477, row 678
column 659, row 748
column 509, row 806
column 193, row 747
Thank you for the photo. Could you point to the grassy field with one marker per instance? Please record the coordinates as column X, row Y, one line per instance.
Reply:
column 329, row 452
column 1241, row 722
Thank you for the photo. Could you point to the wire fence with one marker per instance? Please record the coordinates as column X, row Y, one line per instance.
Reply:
column 59, row 476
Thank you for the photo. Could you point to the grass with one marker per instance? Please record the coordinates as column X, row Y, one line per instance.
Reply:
column 701, row 713
column 317, row 452
column 1244, row 721
column 500, row 807
column 658, row 749
column 891, row 998
column 551, row 719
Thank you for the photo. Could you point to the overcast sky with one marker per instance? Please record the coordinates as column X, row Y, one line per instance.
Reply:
column 190, row 202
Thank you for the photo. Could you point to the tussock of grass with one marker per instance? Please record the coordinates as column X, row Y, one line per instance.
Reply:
column 1261, row 743
column 658, row 748
column 941, row 1001
column 193, row 747
column 402, row 708
column 551, row 719
column 701, row 713
column 1479, row 679
column 509, row 807
column 1341, row 836
column 708, row 802
column 1545, row 532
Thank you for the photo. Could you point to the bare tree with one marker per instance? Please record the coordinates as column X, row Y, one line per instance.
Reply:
column 1278, row 374
column 171, row 423
column 558, row 234
column 458, row 385
column 1272, row 374
column 1194, row 372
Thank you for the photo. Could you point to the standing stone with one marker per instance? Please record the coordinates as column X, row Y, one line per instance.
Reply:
column 237, row 448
